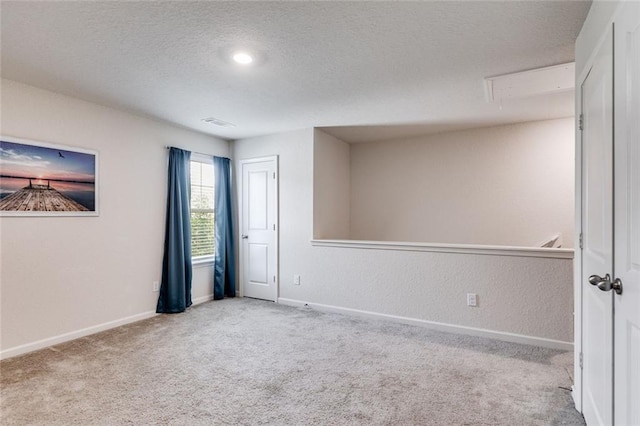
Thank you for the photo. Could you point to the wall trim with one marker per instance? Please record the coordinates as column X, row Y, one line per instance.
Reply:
column 450, row 328
column 201, row 299
column 66, row 337
column 553, row 253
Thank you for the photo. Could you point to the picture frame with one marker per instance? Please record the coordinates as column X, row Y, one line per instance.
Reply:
column 47, row 179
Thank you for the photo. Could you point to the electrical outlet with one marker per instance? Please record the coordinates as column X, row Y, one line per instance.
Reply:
column 156, row 286
column 296, row 280
column 472, row 299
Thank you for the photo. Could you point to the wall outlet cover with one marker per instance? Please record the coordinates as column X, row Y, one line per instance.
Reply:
column 472, row 299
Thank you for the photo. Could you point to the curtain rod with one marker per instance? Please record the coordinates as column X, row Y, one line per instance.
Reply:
column 200, row 153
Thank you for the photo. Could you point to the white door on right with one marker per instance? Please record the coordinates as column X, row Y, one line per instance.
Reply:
column 627, row 216
column 597, row 228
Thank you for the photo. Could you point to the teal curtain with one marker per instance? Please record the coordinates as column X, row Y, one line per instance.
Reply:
column 224, row 276
column 175, row 289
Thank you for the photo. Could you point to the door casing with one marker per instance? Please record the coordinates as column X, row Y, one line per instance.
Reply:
column 241, row 207
column 626, row 391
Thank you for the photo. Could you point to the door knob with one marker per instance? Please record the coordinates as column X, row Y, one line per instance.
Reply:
column 616, row 285
column 605, row 283
column 597, row 279
column 245, row 237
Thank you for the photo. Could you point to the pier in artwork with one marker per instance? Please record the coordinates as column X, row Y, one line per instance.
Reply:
column 40, row 198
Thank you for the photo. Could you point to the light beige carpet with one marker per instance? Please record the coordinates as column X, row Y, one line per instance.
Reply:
column 248, row 362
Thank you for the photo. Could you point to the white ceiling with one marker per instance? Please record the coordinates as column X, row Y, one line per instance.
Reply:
column 418, row 64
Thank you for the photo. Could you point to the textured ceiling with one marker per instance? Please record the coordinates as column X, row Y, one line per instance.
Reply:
column 419, row 64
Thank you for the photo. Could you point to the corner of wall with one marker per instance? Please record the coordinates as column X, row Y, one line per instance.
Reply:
column 331, row 187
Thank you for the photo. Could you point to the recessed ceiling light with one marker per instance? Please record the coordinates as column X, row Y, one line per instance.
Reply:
column 242, row 58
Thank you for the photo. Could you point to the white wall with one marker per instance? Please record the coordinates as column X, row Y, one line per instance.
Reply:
column 509, row 185
column 62, row 277
column 65, row 276
column 331, row 187
column 528, row 296
column 295, row 151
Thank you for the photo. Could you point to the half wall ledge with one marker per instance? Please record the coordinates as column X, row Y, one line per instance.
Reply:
column 553, row 253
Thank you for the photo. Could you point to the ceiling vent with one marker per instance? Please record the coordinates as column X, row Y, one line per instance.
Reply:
column 218, row 122
column 541, row 81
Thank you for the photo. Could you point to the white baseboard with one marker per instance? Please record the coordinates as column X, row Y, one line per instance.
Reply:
column 66, row 337
column 451, row 328
column 61, row 338
column 203, row 299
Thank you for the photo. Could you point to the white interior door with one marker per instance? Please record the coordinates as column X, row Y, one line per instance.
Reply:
column 627, row 216
column 597, row 227
column 258, row 232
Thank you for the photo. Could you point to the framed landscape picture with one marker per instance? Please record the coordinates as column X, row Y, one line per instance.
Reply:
column 42, row 179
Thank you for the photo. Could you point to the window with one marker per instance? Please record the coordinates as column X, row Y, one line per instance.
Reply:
column 202, row 213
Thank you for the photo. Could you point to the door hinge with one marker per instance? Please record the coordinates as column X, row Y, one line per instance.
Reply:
column 581, row 357
column 274, row 175
column 274, row 278
column 581, row 122
column 274, row 226
column 581, row 244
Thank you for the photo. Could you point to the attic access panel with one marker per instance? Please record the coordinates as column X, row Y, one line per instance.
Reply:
column 540, row 81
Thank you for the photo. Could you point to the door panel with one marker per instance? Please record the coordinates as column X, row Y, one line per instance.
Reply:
column 258, row 263
column 627, row 216
column 258, row 212
column 597, row 306
column 258, row 209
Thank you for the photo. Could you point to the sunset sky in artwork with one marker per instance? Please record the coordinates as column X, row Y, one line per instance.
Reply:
column 21, row 160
